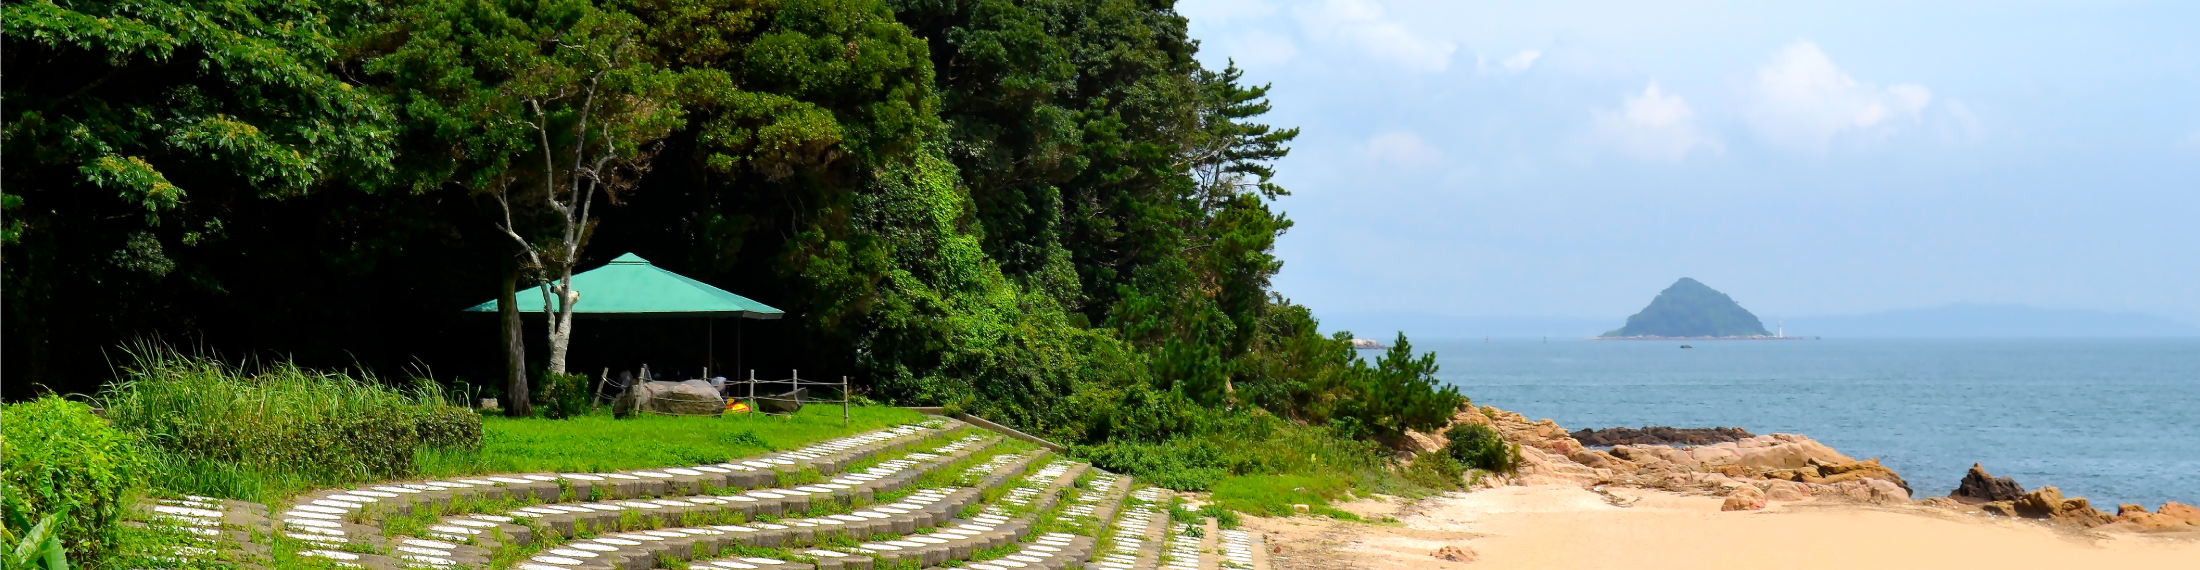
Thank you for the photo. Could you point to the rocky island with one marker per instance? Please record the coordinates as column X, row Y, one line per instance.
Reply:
column 1691, row 310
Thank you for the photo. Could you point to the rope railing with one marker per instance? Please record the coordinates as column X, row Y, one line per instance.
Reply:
column 765, row 401
column 797, row 394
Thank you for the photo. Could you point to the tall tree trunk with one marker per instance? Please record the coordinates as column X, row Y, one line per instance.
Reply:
column 515, row 347
column 561, row 322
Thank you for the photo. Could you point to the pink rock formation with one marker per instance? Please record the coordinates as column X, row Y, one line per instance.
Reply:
column 1746, row 498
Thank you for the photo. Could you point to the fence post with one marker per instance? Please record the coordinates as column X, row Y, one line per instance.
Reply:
column 752, row 392
column 844, row 417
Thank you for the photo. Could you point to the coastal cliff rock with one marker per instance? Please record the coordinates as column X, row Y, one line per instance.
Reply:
column 1539, row 467
column 2048, row 503
column 1886, row 492
column 2137, row 516
column 1820, row 472
column 1805, row 468
column 2180, row 512
column 1659, row 435
column 1979, row 487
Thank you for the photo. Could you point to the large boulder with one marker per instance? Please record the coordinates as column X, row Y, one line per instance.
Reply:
column 2137, row 516
column 1979, row 487
column 1786, row 491
column 2180, row 512
column 1541, row 434
column 1887, row 492
column 2048, row 503
column 1539, row 467
column 1744, row 498
column 1818, row 472
column 1600, row 459
column 1774, row 452
column 1658, row 435
column 690, row 398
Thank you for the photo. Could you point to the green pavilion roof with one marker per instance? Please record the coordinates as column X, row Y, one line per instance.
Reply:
column 630, row 286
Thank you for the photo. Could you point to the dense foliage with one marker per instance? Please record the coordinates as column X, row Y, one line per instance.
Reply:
column 1046, row 212
column 66, row 468
column 1480, row 447
column 1690, row 308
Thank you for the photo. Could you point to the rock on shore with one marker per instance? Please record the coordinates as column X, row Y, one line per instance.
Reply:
column 1772, row 467
column 1752, row 471
column 1659, row 435
column 1979, row 487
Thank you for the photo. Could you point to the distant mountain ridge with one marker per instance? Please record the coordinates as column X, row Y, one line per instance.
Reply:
column 1690, row 308
column 1989, row 320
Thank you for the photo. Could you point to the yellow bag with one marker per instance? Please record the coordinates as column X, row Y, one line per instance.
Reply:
column 736, row 406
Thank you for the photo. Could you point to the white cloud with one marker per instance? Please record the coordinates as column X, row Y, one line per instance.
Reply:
column 1803, row 100
column 1653, row 126
column 1956, row 123
column 1521, row 61
column 1403, row 149
column 1360, row 24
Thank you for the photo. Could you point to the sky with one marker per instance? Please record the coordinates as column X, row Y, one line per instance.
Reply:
column 1571, row 159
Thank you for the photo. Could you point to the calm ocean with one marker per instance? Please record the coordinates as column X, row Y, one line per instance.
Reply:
column 2112, row 420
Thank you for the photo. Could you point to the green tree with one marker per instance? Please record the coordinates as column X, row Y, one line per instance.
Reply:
column 535, row 108
column 136, row 132
column 1402, row 393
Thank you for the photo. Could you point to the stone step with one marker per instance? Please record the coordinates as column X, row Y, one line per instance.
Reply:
column 645, row 549
column 959, row 539
column 555, row 524
column 1086, row 513
column 1243, row 550
column 1138, row 537
column 341, row 523
column 368, row 504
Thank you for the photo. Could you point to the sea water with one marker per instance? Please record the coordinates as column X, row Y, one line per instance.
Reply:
column 2113, row 420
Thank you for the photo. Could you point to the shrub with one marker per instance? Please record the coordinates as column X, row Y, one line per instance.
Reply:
column 563, row 395
column 1436, row 470
column 63, row 461
column 1479, row 446
column 224, row 431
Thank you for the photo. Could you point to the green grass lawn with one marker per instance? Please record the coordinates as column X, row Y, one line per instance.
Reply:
column 589, row 443
column 1273, row 495
column 597, row 442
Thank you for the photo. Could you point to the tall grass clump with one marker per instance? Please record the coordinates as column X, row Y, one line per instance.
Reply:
column 1208, row 448
column 64, row 468
column 223, row 431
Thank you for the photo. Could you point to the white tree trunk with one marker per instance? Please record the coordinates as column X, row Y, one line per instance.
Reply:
column 561, row 321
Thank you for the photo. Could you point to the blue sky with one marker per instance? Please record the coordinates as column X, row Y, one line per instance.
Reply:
column 1570, row 159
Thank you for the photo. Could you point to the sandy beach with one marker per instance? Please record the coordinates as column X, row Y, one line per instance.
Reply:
column 1564, row 527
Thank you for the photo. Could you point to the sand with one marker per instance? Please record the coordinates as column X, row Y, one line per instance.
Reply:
column 1559, row 527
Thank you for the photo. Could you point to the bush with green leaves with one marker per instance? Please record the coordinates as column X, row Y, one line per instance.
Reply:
column 1480, row 447
column 68, row 470
column 563, row 395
